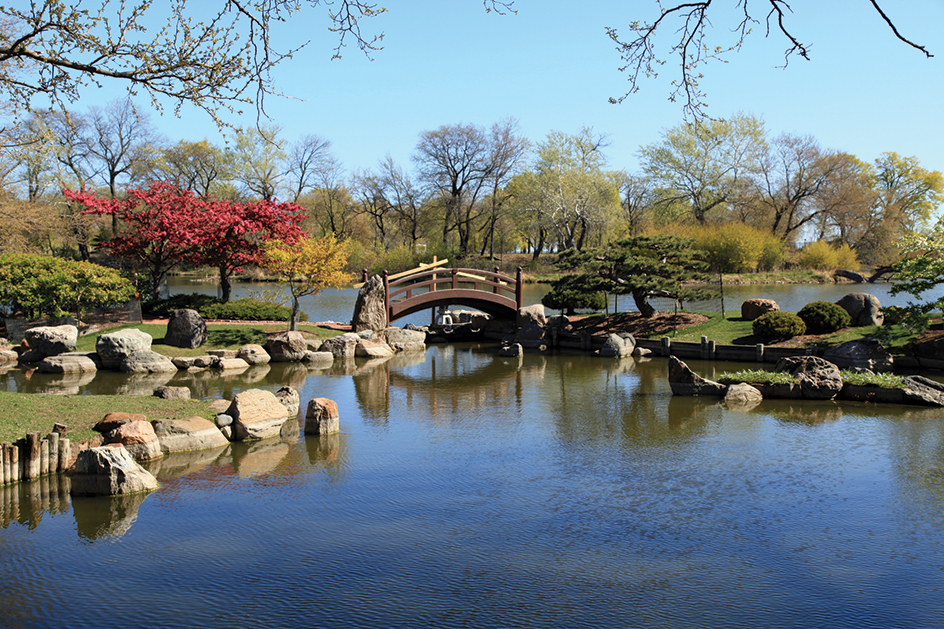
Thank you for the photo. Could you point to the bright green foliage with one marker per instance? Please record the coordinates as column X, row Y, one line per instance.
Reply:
column 822, row 255
column 921, row 269
column 736, row 247
column 210, row 307
column 885, row 380
column 823, row 317
column 778, row 325
column 757, row 376
column 36, row 285
column 576, row 292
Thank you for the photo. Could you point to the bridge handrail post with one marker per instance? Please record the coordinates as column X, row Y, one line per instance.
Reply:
column 519, row 296
column 387, row 308
column 497, row 288
column 455, row 279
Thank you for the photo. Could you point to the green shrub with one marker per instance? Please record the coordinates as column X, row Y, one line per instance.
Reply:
column 210, row 307
column 823, row 317
column 893, row 315
column 823, row 256
column 778, row 325
column 846, row 258
column 36, row 285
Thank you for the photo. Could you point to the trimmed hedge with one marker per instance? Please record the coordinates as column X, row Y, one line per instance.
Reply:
column 212, row 308
column 823, row 317
column 778, row 325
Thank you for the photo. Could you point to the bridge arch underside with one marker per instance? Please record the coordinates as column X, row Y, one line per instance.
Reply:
column 498, row 306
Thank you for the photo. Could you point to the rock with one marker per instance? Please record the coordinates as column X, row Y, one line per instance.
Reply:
column 70, row 363
column 684, row 381
column 109, row 471
column 172, row 393
column 531, row 314
column 866, row 353
column 342, row 346
column 753, row 308
column 372, row 349
column 146, row 361
column 641, row 352
column 819, row 379
column 253, row 354
column 194, row 433
column 313, row 345
column 52, row 340
column 222, row 353
column 114, row 347
column 256, row 414
column 742, row 392
column 530, row 332
column 403, row 340
column 186, row 328
column 286, row 347
column 230, row 364
column 617, row 346
column 290, row 399
column 924, row 392
column 929, row 345
column 370, row 310
column 511, row 351
column 8, row 356
column 138, row 438
column 863, row 308
column 222, row 420
column 193, row 362
column 322, row 417
column 318, row 360
column 112, row 421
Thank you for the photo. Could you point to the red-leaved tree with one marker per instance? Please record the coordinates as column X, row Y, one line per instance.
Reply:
column 168, row 226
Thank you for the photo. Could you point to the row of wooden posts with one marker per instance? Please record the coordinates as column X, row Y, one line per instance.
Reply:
column 34, row 456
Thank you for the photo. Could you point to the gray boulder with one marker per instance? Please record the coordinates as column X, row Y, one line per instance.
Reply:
column 186, row 328
column 742, row 392
column 253, row 354
column 618, row 346
column 109, row 471
column 193, row 362
column 113, row 347
column 753, row 308
column 138, row 438
column 819, row 379
column 342, row 346
column 51, row 340
column 73, row 362
column 531, row 314
column 403, row 340
column 684, row 381
column 257, row 414
column 146, row 361
column 867, row 353
column 194, row 433
column 372, row 349
column 923, row 391
column 172, row 393
column 290, row 399
column 863, row 308
column 286, row 347
column 370, row 312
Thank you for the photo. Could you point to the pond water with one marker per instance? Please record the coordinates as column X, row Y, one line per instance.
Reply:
column 467, row 490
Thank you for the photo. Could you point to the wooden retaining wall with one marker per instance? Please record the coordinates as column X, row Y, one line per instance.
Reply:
column 34, row 456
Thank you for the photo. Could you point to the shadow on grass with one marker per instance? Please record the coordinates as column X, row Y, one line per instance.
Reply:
column 236, row 337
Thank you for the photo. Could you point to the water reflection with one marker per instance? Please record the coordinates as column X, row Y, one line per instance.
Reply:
column 26, row 502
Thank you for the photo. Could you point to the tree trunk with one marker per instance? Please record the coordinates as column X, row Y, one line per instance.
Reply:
column 226, row 286
column 84, row 252
column 293, row 322
column 642, row 304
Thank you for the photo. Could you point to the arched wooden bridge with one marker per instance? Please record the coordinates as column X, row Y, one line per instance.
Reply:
column 489, row 291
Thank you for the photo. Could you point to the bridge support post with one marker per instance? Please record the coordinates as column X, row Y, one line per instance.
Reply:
column 519, row 296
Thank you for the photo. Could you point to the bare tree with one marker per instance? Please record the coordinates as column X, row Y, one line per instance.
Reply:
column 308, row 156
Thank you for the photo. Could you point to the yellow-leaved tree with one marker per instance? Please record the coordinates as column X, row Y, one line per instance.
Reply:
column 308, row 266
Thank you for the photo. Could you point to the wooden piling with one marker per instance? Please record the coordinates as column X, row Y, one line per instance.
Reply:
column 13, row 453
column 53, row 439
column 65, row 454
column 33, row 457
column 4, row 469
column 43, row 457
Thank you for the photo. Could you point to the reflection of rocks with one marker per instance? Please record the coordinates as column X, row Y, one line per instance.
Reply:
column 323, row 450
column 108, row 471
column 106, row 516
column 252, row 459
column 65, row 384
column 186, row 462
column 372, row 388
column 809, row 414
column 289, row 374
column 142, row 384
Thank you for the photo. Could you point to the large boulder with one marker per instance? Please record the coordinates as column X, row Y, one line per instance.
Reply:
column 753, row 308
column 186, row 328
column 929, row 345
column 286, row 347
column 172, row 393
column 146, row 361
column 342, row 346
column 684, row 381
column 253, row 354
column 138, row 438
column 51, row 340
column 923, row 391
column 114, row 347
column 108, row 471
column 322, row 417
column 866, row 353
column 742, row 393
column 863, row 308
column 819, row 379
column 618, row 346
column 370, row 310
column 257, row 414
column 194, row 433
column 403, row 340
column 531, row 314
column 73, row 362
column 372, row 349
column 290, row 400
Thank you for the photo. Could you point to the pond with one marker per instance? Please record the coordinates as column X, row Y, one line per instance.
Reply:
column 467, row 490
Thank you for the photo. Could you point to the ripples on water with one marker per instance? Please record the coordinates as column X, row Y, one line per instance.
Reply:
column 471, row 491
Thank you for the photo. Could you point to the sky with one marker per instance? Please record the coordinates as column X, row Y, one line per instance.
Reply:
column 552, row 67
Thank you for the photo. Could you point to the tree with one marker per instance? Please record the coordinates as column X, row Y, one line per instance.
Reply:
column 704, row 164
column 308, row 266
column 690, row 21
column 164, row 223
column 920, row 269
column 308, row 157
column 55, row 50
column 259, row 160
column 198, row 166
column 577, row 292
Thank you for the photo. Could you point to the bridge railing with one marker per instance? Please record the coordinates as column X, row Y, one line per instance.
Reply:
column 433, row 280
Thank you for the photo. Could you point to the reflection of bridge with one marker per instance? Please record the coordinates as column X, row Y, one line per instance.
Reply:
column 489, row 291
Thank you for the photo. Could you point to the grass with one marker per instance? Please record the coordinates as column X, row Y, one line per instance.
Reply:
column 220, row 336
column 22, row 413
column 884, row 380
column 756, row 376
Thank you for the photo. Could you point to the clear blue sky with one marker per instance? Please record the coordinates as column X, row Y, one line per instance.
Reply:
column 552, row 67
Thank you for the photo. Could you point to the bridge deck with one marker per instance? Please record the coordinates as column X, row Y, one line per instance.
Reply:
column 489, row 291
